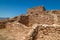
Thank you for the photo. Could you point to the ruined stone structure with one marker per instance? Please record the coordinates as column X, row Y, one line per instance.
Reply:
column 37, row 24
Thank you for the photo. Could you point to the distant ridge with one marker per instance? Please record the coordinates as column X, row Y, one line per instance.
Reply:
column 2, row 18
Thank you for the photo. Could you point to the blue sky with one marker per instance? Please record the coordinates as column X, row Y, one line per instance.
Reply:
column 11, row 8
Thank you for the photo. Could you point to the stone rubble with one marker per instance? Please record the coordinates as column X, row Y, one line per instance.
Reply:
column 37, row 24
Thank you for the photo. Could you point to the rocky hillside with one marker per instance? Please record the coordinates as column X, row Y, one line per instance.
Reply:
column 37, row 24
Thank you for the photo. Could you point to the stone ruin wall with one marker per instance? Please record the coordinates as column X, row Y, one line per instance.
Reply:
column 41, row 16
column 37, row 15
column 47, row 25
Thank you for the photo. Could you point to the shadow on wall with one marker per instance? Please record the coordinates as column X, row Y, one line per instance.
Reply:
column 24, row 20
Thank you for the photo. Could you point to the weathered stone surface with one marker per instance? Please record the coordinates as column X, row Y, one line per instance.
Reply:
column 48, row 33
column 37, row 24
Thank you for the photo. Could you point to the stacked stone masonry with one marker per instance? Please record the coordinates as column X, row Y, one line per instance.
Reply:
column 37, row 24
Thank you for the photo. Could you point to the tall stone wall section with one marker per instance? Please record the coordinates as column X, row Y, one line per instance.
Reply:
column 41, row 16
